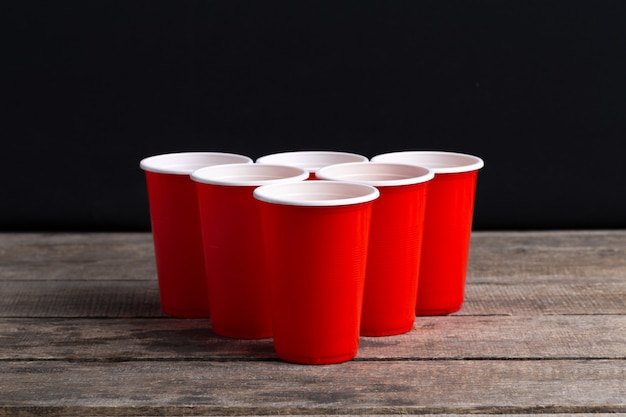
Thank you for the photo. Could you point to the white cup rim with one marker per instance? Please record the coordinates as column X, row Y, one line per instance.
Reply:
column 441, row 162
column 310, row 160
column 378, row 174
column 184, row 163
column 245, row 175
column 316, row 193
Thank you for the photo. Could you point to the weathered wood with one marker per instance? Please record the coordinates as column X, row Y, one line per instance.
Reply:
column 77, row 256
column 437, row 338
column 396, row 387
column 574, row 297
column 508, row 273
column 542, row 331
column 65, row 411
column 596, row 256
column 141, row 298
column 79, row 299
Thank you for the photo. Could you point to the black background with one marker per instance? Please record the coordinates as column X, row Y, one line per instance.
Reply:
column 535, row 88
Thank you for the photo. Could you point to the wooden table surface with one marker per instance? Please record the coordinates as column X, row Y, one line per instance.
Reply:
column 542, row 331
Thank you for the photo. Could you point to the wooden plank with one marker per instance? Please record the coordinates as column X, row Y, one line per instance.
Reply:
column 141, row 298
column 77, row 256
column 68, row 411
column 79, row 299
column 527, row 298
column 88, row 411
column 357, row 387
column 64, row 411
column 509, row 273
column 592, row 256
column 542, row 331
column 504, row 337
column 436, row 338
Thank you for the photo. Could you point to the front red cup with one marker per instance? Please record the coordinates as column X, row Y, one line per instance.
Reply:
column 311, row 160
column 316, row 236
column 237, row 274
column 447, row 227
column 175, row 221
column 391, row 281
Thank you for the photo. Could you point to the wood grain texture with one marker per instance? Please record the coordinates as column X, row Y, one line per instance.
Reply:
column 77, row 256
column 542, row 331
column 433, row 338
column 352, row 388
column 99, row 298
column 552, row 256
column 110, row 275
column 597, row 255
column 88, row 298
column 574, row 297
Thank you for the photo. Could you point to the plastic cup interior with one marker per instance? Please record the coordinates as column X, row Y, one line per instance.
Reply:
column 377, row 173
column 184, row 163
column 311, row 160
column 248, row 174
column 316, row 193
column 439, row 161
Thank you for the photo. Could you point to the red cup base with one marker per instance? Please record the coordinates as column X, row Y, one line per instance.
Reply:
column 438, row 311
column 386, row 332
column 185, row 314
column 327, row 360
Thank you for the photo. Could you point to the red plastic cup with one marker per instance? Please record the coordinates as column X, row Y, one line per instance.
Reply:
column 447, row 227
column 397, row 225
column 311, row 160
column 176, row 229
column 237, row 275
column 316, row 236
